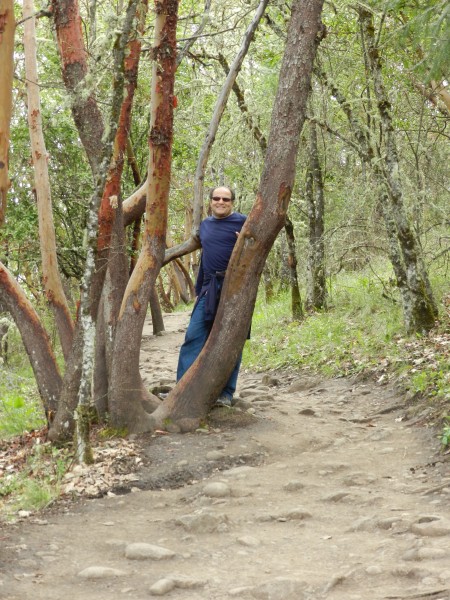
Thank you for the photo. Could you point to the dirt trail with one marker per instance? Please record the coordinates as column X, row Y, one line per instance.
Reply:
column 326, row 492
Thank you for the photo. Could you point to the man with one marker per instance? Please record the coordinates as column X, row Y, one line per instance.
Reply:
column 218, row 234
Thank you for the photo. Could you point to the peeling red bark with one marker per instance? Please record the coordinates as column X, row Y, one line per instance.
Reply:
column 125, row 406
column 111, row 194
column 86, row 114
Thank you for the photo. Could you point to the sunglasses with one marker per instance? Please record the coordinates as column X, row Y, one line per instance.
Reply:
column 217, row 198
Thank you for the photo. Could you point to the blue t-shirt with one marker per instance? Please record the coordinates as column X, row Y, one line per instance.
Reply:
column 217, row 237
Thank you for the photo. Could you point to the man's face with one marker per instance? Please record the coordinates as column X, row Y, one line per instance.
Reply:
column 221, row 204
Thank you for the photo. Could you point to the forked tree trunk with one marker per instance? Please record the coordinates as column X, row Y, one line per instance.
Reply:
column 53, row 287
column 107, row 197
column 189, row 401
column 35, row 339
column 7, row 29
column 316, row 289
column 88, row 300
column 125, row 395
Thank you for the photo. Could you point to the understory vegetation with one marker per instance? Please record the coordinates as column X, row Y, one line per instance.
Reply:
column 361, row 333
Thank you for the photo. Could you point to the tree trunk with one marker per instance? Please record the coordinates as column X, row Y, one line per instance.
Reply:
column 155, row 309
column 125, row 398
column 87, row 116
column 114, row 148
column 296, row 300
column 316, row 294
column 7, row 29
column 35, row 339
column 189, row 401
column 52, row 281
column 420, row 311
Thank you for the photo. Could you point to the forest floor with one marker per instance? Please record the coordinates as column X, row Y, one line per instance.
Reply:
column 309, row 489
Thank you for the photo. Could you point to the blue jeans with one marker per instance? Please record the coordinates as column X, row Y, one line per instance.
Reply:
column 196, row 336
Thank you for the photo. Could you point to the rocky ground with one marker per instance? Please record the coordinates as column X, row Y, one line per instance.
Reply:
column 308, row 489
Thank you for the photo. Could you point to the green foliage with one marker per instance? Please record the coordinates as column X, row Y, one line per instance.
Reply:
column 20, row 405
column 347, row 339
column 38, row 482
column 362, row 332
column 109, row 433
column 445, row 436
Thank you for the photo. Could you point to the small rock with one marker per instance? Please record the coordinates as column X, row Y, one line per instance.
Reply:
column 141, row 551
column 203, row 522
column 308, row 412
column 431, row 526
column 374, row 570
column 249, row 541
column 336, row 496
column 270, row 380
column 216, row 490
column 215, row 455
column 301, row 385
column 100, row 573
column 162, row 587
column 186, row 583
column 293, row 486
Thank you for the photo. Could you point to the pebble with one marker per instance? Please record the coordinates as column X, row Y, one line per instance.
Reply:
column 96, row 572
column 293, row 486
column 217, row 490
column 249, row 541
column 431, row 526
column 141, row 551
column 162, row 587
column 374, row 570
column 336, row 496
column 215, row 455
column 203, row 522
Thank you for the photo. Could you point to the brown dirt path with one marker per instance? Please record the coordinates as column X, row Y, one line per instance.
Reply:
column 311, row 489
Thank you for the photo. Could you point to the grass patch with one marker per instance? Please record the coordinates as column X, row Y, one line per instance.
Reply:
column 31, row 474
column 361, row 332
column 20, row 405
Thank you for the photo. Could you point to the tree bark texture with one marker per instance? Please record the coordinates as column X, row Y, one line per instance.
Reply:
column 316, row 294
column 78, row 376
column 296, row 300
column 111, row 197
column 126, row 392
column 35, row 339
column 156, row 312
column 87, row 116
column 7, row 29
column 88, row 303
column 420, row 309
column 53, row 287
column 189, row 401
